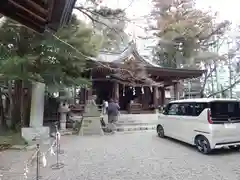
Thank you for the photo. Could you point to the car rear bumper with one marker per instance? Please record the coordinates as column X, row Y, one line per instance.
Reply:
column 224, row 144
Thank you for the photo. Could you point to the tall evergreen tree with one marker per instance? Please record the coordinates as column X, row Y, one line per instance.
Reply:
column 185, row 32
column 58, row 59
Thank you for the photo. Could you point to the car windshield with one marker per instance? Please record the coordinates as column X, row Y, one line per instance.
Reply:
column 225, row 109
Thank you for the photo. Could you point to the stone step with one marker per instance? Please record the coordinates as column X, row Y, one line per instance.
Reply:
column 135, row 128
column 135, row 124
column 63, row 132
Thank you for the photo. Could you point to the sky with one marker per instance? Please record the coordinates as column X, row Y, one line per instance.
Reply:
column 137, row 10
column 227, row 9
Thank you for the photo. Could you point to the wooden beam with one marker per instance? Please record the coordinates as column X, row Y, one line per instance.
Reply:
column 37, row 7
column 26, row 10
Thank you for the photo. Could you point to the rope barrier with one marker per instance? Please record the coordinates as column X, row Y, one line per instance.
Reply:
column 38, row 157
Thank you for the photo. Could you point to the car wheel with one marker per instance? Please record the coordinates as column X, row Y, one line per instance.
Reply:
column 160, row 131
column 237, row 148
column 203, row 144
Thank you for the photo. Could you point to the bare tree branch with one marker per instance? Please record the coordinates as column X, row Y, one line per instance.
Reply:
column 224, row 90
column 83, row 10
column 207, row 75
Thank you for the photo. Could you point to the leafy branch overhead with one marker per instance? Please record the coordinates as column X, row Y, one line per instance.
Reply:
column 27, row 55
column 110, row 23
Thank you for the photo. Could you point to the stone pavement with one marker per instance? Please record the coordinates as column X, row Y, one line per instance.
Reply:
column 136, row 155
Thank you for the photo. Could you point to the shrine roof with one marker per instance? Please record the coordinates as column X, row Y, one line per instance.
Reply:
column 38, row 15
column 118, row 60
column 120, row 57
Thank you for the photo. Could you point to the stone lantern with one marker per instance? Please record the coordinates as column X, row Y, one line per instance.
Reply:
column 63, row 110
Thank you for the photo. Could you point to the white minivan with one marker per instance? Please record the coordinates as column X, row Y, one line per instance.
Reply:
column 206, row 123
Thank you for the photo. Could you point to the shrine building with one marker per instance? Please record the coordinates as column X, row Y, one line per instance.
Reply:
column 135, row 82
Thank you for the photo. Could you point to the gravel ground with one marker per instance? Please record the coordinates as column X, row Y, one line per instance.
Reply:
column 126, row 156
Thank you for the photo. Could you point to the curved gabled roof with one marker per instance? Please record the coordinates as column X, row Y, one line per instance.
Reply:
column 119, row 60
column 130, row 50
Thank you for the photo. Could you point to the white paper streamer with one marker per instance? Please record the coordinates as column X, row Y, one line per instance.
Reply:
column 44, row 160
column 151, row 89
column 25, row 175
column 52, row 152
column 26, row 170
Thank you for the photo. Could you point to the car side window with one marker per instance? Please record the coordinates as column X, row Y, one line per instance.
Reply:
column 199, row 107
column 172, row 109
column 181, row 109
column 186, row 109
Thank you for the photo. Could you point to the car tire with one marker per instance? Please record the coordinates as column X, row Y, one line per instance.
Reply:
column 160, row 131
column 203, row 145
column 237, row 148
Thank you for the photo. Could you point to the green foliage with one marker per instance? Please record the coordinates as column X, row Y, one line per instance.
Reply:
column 107, row 12
column 11, row 138
column 184, row 31
column 111, row 24
column 27, row 55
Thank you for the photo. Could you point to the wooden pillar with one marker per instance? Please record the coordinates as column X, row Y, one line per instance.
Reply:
column 162, row 96
column 88, row 93
column 115, row 91
column 145, row 100
column 81, row 95
column 159, row 95
column 176, row 90
column 138, row 94
column 155, row 97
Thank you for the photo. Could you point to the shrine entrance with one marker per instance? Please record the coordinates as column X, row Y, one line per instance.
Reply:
column 135, row 96
column 130, row 99
column 103, row 90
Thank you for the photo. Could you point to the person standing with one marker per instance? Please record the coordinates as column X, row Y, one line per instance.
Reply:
column 113, row 113
column 105, row 107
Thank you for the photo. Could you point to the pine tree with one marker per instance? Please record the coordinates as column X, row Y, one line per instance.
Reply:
column 58, row 59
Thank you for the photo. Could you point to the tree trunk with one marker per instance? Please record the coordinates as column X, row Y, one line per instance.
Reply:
column 206, row 76
column 10, row 103
column 17, row 105
column 3, row 119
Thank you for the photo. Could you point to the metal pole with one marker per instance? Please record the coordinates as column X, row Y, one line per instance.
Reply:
column 58, row 146
column 230, row 71
column 38, row 168
column 57, row 150
column 215, row 64
column 58, row 165
column 189, row 90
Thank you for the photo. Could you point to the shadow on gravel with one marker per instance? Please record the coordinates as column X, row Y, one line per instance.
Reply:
column 215, row 152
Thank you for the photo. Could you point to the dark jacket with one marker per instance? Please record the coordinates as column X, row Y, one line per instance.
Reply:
column 113, row 109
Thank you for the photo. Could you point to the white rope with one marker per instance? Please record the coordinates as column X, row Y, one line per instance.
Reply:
column 43, row 158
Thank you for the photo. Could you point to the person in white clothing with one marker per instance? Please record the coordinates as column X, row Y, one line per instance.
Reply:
column 105, row 106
